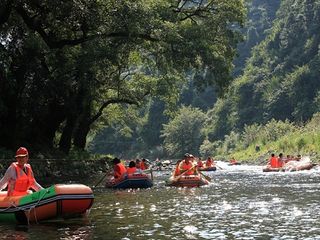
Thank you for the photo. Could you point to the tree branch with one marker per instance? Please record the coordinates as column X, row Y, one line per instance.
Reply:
column 52, row 43
column 107, row 103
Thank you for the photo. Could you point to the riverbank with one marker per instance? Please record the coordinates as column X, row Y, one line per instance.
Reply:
column 62, row 170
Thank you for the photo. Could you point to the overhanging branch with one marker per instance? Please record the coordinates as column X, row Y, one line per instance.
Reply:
column 52, row 43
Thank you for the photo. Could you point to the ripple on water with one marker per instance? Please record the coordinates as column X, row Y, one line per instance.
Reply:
column 239, row 204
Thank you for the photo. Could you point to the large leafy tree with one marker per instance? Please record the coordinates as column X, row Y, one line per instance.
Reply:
column 64, row 62
column 183, row 134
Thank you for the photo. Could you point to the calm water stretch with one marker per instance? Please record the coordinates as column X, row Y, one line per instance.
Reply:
column 241, row 202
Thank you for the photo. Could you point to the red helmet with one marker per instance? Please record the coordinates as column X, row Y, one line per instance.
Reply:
column 22, row 152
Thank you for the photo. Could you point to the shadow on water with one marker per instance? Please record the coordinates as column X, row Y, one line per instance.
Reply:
column 241, row 202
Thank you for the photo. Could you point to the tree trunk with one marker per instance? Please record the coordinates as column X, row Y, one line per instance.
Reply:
column 66, row 137
column 80, row 135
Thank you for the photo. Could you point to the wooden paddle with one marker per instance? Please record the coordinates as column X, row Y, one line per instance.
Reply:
column 178, row 177
column 205, row 176
column 149, row 170
column 218, row 167
column 100, row 180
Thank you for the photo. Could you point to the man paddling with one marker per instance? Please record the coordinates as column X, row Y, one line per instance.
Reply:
column 187, row 165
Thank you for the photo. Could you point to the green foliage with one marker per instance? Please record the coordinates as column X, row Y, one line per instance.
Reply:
column 301, row 143
column 64, row 63
column 289, row 139
column 252, row 136
column 260, row 16
column 183, row 133
column 280, row 79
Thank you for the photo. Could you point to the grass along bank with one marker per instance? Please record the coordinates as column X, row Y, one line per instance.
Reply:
column 256, row 143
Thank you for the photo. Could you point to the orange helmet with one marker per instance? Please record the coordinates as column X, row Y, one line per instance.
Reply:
column 22, row 152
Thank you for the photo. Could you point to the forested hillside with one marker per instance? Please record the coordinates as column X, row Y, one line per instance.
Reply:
column 123, row 76
column 260, row 16
column 281, row 80
column 147, row 138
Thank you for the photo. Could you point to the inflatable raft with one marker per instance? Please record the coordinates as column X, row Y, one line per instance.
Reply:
column 234, row 163
column 135, row 180
column 60, row 200
column 188, row 181
column 270, row 169
column 291, row 166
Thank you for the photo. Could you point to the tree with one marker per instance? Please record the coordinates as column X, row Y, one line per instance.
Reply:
column 65, row 62
column 183, row 133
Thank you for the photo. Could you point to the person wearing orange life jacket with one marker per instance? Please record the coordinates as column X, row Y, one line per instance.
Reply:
column 233, row 161
column 209, row 162
column 200, row 163
column 281, row 160
column 274, row 161
column 119, row 170
column 138, row 163
column 19, row 176
column 187, row 165
column 132, row 168
column 143, row 164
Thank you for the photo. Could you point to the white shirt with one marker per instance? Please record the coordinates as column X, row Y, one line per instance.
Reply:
column 11, row 176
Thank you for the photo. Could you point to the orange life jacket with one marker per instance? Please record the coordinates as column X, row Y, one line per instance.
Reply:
column 119, row 170
column 209, row 163
column 176, row 171
column 143, row 166
column 131, row 170
column 233, row 161
column 185, row 166
column 274, row 162
column 200, row 164
column 23, row 181
column 280, row 162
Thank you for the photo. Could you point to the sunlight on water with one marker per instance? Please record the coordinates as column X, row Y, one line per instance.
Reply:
column 241, row 202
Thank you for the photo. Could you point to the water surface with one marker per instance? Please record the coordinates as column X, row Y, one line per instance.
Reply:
column 241, row 202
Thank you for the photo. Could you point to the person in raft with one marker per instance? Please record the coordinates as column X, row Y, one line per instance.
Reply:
column 19, row 176
column 132, row 168
column 209, row 162
column 119, row 170
column 275, row 162
column 233, row 161
column 187, row 165
column 144, row 165
column 199, row 163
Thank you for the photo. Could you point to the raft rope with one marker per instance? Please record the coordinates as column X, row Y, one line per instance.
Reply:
column 34, row 212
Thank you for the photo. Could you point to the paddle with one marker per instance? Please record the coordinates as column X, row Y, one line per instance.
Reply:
column 107, row 173
column 178, row 177
column 149, row 171
column 205, row 176
column 219, row 167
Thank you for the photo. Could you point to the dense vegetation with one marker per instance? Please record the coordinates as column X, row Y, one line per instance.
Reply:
column 256, row 142
column 281, row 79
column 154, row 78
column 68, row 67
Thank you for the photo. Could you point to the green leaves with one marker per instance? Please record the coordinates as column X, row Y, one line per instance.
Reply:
column 183, row 133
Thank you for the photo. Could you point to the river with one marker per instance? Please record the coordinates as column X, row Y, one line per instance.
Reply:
column 241, row 202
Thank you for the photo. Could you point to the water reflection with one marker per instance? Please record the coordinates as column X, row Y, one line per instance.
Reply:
column 240, row 203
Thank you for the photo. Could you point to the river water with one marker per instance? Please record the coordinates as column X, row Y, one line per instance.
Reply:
column 241, row 202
